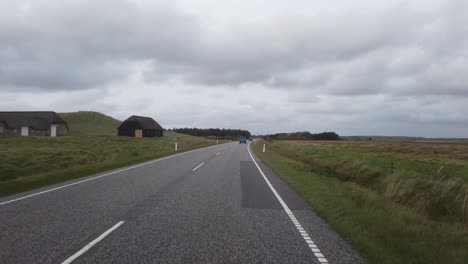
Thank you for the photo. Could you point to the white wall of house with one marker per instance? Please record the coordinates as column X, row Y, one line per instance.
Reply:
column 53, row 130
column 24, row 131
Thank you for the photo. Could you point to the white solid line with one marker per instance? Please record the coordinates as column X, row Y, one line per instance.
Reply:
column 288, row 211
column 196, row 168
column 92, row 243
column 100, row 176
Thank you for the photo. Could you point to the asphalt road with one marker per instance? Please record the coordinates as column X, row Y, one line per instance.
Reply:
column 213, row 205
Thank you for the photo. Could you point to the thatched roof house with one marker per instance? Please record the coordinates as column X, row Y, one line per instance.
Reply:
column 140, row 126
column 45, row 123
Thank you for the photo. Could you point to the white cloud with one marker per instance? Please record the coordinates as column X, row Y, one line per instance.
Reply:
column 356, row 67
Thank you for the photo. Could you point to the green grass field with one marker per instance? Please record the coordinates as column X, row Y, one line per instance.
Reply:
column 85, row 123
column 33, row 162
column 394, row 202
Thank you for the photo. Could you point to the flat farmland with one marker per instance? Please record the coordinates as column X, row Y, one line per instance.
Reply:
column 396, row 202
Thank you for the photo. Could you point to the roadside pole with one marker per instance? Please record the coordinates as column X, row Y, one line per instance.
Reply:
column 263, row 148
column 175, row 146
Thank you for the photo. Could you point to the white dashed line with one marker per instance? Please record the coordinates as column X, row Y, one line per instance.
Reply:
column 92, row 243
column 196, row 168
column 320, row 257
column 218, row 153
column 100, row 176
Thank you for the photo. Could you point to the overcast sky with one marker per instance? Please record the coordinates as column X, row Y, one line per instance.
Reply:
column 360, row 67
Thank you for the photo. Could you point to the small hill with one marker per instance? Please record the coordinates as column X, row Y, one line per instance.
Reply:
column 90, row 123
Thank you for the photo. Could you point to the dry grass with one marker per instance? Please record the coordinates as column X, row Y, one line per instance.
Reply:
column 452, row 152
column 428, row 177
column 395, row 202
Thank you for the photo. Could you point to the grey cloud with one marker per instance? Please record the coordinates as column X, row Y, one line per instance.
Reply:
column 79, row 37
column 83, row 44
column 61, row 75
column 387, row 69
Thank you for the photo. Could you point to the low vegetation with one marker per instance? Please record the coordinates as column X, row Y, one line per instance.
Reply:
column 33, row 162
column 395, row 202
column 90, row 123
column 213, row 132
column 304, row 136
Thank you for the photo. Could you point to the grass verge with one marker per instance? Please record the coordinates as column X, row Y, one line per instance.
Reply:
column 32, row 162
column 381, row 229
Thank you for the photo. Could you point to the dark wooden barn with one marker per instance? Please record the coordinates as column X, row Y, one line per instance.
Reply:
column 140, row 126
column 45, row 123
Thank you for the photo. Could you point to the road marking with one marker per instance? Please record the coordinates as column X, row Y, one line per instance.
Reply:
column 100, row 176
column 320, row 257
column 196, row 168
column 218, row 153
column 92, row 243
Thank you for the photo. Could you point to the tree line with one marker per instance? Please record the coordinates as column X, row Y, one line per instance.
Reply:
column 213, row 132
column 305, row 135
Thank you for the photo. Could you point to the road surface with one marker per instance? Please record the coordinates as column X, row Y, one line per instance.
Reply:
column 212, row 205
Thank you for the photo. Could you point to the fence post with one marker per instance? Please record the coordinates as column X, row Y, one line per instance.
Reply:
column 263, row 148
column 217, row 141
column 175, row 146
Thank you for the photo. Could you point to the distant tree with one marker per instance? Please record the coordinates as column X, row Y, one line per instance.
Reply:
column 213, row 132
column 305, row 135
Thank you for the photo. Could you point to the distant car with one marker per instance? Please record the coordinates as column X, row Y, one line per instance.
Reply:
column 242, row 140
column 250, row 139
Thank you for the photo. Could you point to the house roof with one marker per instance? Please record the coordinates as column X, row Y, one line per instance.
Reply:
column 144, row 122
column 35, row 120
